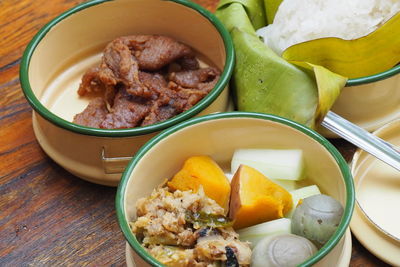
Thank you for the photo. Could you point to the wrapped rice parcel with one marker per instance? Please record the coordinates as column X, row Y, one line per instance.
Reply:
column 265, row 82
column 351, row 38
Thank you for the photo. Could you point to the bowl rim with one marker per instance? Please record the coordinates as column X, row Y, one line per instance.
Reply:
column 344, row 168
column 60, row 122
column 375, row 77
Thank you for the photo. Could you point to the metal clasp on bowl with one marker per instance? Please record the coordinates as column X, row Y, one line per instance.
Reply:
column 113, row 165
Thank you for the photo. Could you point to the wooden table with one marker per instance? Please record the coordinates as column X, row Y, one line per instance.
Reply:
column 48, row 217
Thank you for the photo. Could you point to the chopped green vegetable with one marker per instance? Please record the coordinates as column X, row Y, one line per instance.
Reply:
column 255, row 233
column 201, row 219
column 284, row 164
column 289, row 185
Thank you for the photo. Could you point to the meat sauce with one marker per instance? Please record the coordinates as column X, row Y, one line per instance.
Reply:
column 143, row 79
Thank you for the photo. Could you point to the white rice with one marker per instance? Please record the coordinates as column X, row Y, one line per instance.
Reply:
column 301, row 20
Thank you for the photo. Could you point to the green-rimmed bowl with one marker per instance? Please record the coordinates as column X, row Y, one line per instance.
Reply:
column 218, row 135
column 59, row 54
column 370, row 101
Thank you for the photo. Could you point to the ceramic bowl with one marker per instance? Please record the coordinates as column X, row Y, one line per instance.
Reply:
column 370, row 101
column 66, row 47
column 218, row 135
column 376, row 221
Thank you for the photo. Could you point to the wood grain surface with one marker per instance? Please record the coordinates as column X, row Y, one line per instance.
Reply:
column 48, row 217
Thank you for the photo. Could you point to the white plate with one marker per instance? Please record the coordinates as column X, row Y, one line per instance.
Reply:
column 374, row 240
column 376, row 218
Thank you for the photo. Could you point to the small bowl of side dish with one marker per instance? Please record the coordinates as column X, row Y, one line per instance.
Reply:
column 377, row 185
column 65, row 49
column 180, row 150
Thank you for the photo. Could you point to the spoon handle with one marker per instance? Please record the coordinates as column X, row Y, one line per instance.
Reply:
column 372, row 144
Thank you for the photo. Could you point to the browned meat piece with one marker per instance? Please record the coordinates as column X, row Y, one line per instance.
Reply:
column 160, row 111
column 182, row 64
column 128, row 112
column 93, row 115
column 154, row 81
column 125, row 55
column 90, row 82
column 190, row 97
column 188, row 63
column 119, row 66
column 93, row 82
column 176, row 99
column 193, row 78
column 192, row 86
column 118, row 59
column 133, row 97
column 154, row 52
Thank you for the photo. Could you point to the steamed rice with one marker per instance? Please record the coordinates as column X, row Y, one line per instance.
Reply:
column 297, row 21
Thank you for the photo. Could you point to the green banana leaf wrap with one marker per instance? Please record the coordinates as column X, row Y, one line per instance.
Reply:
column 265, row 82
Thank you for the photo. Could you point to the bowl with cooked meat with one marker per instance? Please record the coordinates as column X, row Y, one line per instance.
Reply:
column 106, row 76
column 237, row 189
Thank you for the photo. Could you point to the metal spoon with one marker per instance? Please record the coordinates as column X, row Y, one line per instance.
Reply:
column 372, row 144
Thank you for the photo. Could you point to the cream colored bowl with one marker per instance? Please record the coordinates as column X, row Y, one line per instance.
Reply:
column 218, row 135
column 64, row 49
column 371, row 101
